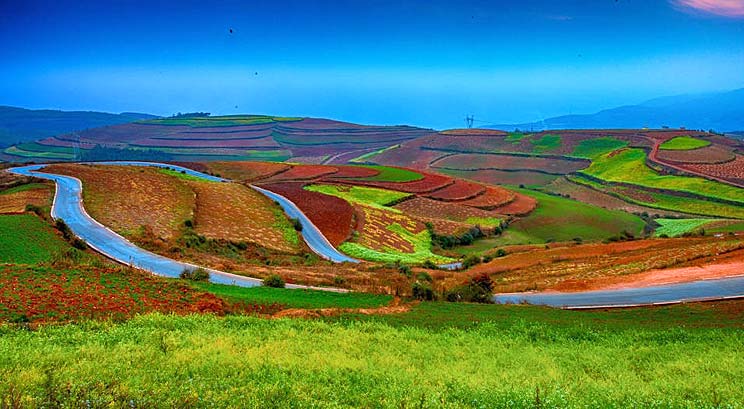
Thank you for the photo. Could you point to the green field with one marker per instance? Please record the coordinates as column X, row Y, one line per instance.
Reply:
column 388, row 174
column 592, row 148
column 732, row 227
column 23, row 188
column 515, row 137
column 436, row 356
column 296, row 298
column 546, row 143
column 677, row 227
column 629, row 166
column 421, row 249
column 367, row 196
column 15, row 151
column 683, row 143
column 560, row 219
column 663, row 201
column 26, row 239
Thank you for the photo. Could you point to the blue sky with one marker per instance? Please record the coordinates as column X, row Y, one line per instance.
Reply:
column 426, row 63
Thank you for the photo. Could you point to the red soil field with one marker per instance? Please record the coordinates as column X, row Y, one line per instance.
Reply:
column 491, row 199
column 347, row 172
column 212, row 143
column 710, row 154
column 374, row 229
column 500, row 177
column 304, row 172
column 429, row 183
column 332, row 215
column 247, row 171
column 16, row 202
column 733, row 170
column 458, row 191
column 509, row 162
column 407, row 157
column 522, row 205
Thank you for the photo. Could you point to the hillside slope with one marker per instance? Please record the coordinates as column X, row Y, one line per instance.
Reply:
column 21, row 125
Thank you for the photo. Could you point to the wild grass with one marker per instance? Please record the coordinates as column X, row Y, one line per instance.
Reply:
column 684, row 143
column 295, row 298
column 26, row 239
column 436, row 356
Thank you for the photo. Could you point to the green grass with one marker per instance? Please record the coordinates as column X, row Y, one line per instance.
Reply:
column 388, row 174
column 282, row 223
column 370, row 155
column 515, row 137
column 36, row 147
column 733, row 227
column 436, row 356
column 296, row 298
column 23, row 188
column 683, row 143
column 663, row 202
column 560, row 219
column 478, row 247
column 367, row 196
column 629, row 166
column 183, row 176
column 546, row 143
column 26, row 239
column 677, row 227
column 484, row 221
column 592, row 148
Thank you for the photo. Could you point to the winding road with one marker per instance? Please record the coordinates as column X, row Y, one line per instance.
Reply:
column 68, row 206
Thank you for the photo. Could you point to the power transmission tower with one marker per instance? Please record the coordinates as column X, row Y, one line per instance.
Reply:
column 469, row 121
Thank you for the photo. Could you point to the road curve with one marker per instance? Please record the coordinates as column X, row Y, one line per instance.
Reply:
column 704, row 290
column 68, row 206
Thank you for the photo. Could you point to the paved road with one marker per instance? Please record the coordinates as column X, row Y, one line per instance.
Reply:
column 664, row 294
column 68, row 207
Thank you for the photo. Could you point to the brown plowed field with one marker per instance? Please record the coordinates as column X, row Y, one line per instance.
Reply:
column 458, row 191
column 478, row 162
column 235, row 212
column 128, row 199
column 733, row 170
column 500, row 177
column 304, row 172
column 247, row 171
column 541, row 269
column 427, row 208
column 522, row 205
column 374, row 229
column 332, row 215
column 429, row 183
column 707, row 155
column 491, row 199
column 354, row 172
column 16, row 202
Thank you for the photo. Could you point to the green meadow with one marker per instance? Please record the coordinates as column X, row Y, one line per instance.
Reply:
column 26, row 239
column 684, row 143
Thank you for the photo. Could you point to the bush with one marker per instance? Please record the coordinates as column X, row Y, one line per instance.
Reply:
column 189, row 223
column 405, row 270
column 500, row 253
column 274, row 280
column 424, row 276
column 430, row 265
column 479, row 289
column 470, row 261
column 296, row 224
column 422, row 291
column 33, row 208
column 196, row 274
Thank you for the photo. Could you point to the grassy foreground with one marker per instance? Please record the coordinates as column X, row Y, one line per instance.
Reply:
column 439, row 355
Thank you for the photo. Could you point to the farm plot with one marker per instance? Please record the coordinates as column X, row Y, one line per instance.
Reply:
column 506, row 162
column 26, row 239
column 389, row 236
column 428, row 183
column 594, row 147
column 366, row 196
column 305, row 172
column 448, row 218
column 501, row 177
column 237, row 213
column 333, row 216
column 14, row 200
column 560, row 219
column 458, row 191
column 683, row 143
column 678, row 227
column 629, row 166
column 661, row 201
column 732, row 170
column 247, row 171
column 133, row 201
column 47, row 294
column 708, row 155
column 493, row 198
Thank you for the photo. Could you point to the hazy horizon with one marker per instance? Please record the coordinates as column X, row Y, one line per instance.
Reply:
column 419, row 63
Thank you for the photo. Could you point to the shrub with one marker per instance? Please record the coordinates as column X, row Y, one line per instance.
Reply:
column 424, row 276
column 296, row 224
column 274, row 280
column 405, row 270
column 422, row 291
column 196, row 274
column 33, row 208
column 430, row 265
column 500, row 253
column 470, row 261
column 479, row 289
column 339, row 280
column 189, row 223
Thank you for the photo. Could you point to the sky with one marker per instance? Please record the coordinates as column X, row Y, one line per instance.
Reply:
column 421, row 62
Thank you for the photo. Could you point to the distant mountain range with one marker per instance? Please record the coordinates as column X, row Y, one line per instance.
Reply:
column 21, row 125
column 722, row 112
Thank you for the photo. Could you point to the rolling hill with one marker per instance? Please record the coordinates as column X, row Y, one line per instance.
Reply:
column 20, row 125
column 719, row 111
column 236, row 137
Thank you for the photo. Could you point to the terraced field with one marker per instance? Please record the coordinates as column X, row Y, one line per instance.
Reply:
column 233, row 137
column 683, row 143
column 26, row 239
column 15, row 200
